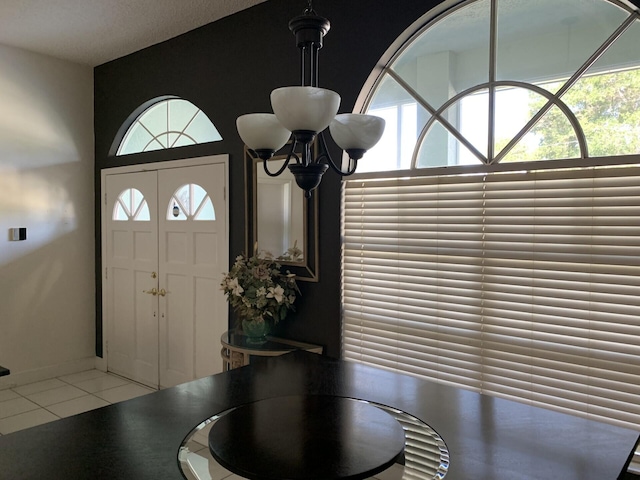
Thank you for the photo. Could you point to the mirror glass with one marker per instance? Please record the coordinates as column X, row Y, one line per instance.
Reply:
column 280, row 213
column 280, row 220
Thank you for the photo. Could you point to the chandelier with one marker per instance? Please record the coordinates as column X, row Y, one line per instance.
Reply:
column 305, row 112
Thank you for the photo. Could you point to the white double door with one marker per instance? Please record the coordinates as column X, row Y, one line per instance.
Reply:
column 166, row 249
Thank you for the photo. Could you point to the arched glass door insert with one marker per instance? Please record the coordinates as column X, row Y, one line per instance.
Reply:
column 131, row 205
column 168, row 124
column 190, row 202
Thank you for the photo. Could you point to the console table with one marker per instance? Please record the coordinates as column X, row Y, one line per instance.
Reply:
column 237, row 350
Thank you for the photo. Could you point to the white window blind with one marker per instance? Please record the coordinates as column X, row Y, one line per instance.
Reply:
column 520, row 285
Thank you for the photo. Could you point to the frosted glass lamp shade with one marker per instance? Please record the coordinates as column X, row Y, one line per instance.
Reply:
column 262, row 131
column 305, row 108
column 356, row 132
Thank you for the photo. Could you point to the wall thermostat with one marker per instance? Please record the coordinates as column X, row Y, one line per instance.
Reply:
column 19, row 233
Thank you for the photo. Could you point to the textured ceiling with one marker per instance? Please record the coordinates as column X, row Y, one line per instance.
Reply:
column 92, row 32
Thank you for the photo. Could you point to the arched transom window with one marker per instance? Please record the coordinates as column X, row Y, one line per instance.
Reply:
column 168, row 124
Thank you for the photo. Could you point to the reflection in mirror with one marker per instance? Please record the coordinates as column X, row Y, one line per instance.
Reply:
column 280, row 209
column 280, row 220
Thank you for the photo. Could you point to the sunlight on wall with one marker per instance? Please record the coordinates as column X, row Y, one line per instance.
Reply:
column 32, row 132
column 46, row 185
column 31, row 200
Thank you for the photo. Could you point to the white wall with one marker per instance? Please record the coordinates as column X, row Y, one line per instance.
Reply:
column 47, row 294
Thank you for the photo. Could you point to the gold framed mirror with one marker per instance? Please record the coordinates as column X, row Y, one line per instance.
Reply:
column 279, row 219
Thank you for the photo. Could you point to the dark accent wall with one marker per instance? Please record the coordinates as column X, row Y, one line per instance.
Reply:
column 229, row 68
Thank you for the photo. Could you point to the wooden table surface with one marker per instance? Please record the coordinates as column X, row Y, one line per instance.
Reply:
column 488, row 438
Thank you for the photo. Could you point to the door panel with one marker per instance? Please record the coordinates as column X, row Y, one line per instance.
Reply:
column 174, row 336
column 132, row 264
column 193, row 253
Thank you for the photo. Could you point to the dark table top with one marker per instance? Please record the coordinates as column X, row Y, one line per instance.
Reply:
column 4, row 371
column 296, row 436
column 488, row 438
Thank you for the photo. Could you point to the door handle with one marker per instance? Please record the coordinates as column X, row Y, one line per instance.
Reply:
column 153, row 291
column 162, row 292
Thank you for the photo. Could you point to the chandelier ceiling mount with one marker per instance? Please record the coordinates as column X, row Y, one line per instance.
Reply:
column 304, row 112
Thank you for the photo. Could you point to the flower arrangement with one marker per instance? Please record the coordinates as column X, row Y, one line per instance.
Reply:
column 258, row 290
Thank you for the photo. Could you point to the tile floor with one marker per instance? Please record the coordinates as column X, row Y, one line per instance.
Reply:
column 41, row 402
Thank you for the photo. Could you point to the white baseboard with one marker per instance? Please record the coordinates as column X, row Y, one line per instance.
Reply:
column 38, row 374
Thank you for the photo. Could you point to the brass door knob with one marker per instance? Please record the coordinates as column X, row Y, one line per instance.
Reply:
column 162, row 292
column 153, row 291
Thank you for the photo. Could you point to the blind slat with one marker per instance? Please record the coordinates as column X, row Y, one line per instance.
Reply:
column 523, row 285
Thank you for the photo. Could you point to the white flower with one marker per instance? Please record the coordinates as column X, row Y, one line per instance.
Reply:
column 261, row 292
column 276, row 293
column 235, row 287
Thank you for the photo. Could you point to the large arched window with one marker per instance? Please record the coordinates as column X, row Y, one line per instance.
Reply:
column 511, row 81
column 168, row 124
column 491, row 240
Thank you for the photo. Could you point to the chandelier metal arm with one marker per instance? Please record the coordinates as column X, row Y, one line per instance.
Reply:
column 292, row 154
column 327, row 157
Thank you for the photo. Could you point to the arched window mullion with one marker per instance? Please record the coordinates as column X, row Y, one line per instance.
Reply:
column 185, row 129
column 566, row 86
column 554, row 101
column 124, row 207
column 452, row 130
column 416, row 96
column 435, row 115
column 200, row 206
column 140, row 207
column 597, row 54
column 493, row 65
column 153, row 136
column 180, row 135
column 152, row 141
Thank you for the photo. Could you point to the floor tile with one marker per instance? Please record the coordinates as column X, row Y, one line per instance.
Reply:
column 8, row 395
column 26, row 420
column 56, row 395
column 125, row 392
column 77, row 405
column 82, row 376
column 101, row 383
column 38, row 386
column 15, row 406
